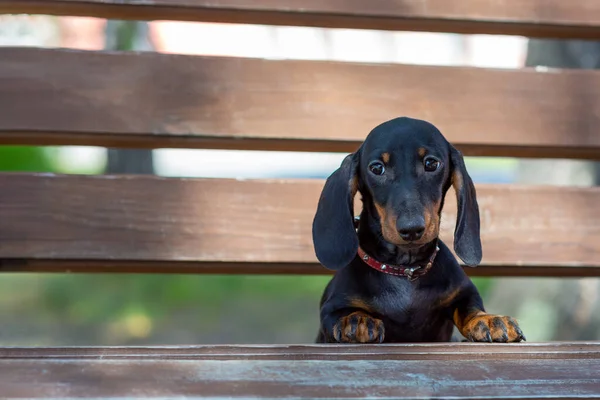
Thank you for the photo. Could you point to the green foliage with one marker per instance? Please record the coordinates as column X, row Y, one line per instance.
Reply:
column 484, row 285
column 113, row 309
column 107, row 296
column 26, row 159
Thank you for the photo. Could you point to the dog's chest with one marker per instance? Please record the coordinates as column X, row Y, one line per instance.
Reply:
column 400, row 304
column 407, row 307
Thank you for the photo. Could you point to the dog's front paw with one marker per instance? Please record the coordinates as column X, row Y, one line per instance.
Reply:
column 359, row 327
column 493, row 328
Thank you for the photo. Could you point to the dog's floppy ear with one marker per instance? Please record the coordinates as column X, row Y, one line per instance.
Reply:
column 334, row 236
column 467, row 243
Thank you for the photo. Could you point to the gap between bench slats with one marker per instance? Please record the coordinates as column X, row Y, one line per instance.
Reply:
column 543, row 18
column 154, row 101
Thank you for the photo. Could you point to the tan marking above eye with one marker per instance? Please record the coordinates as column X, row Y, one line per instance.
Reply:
column 385, row 157
column 422, row 151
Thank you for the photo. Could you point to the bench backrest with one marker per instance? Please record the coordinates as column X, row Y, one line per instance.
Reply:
column 141, row 224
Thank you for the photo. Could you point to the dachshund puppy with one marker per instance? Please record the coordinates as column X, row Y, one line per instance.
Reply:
column 395, row 280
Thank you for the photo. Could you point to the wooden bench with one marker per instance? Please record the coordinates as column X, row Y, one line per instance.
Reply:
column 149, row 224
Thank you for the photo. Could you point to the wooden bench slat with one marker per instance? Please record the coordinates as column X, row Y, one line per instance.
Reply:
column 543, row 18
column 465, row 351
column 396, row 371
column 141, row 224
column 152, row 100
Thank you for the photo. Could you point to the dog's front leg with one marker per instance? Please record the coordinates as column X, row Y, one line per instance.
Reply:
column 350, row 325
column 478, row 326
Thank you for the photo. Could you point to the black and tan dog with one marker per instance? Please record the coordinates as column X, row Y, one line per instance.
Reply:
column 395, row 281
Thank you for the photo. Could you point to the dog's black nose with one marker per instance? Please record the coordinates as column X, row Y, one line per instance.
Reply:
column 412, row 231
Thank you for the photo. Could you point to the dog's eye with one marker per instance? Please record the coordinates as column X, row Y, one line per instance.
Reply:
column 431, row 164
column 377, row 168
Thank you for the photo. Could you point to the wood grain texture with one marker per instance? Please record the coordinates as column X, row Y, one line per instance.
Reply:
column 542, row 18
column 411, row 371
column 142, row 224
column 154, row 101
column 413, row 351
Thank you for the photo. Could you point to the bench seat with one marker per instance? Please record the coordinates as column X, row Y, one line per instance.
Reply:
column 457, row 370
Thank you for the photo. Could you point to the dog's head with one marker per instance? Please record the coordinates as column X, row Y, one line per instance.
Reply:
column 403, row 170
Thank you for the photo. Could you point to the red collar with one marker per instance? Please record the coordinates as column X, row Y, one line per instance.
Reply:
column 412, row 273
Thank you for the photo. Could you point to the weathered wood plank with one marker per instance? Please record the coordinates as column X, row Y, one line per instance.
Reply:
column 429, row 351
column 455, row 370
column 151, row 100
column 543, row 18
column 142, row 224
